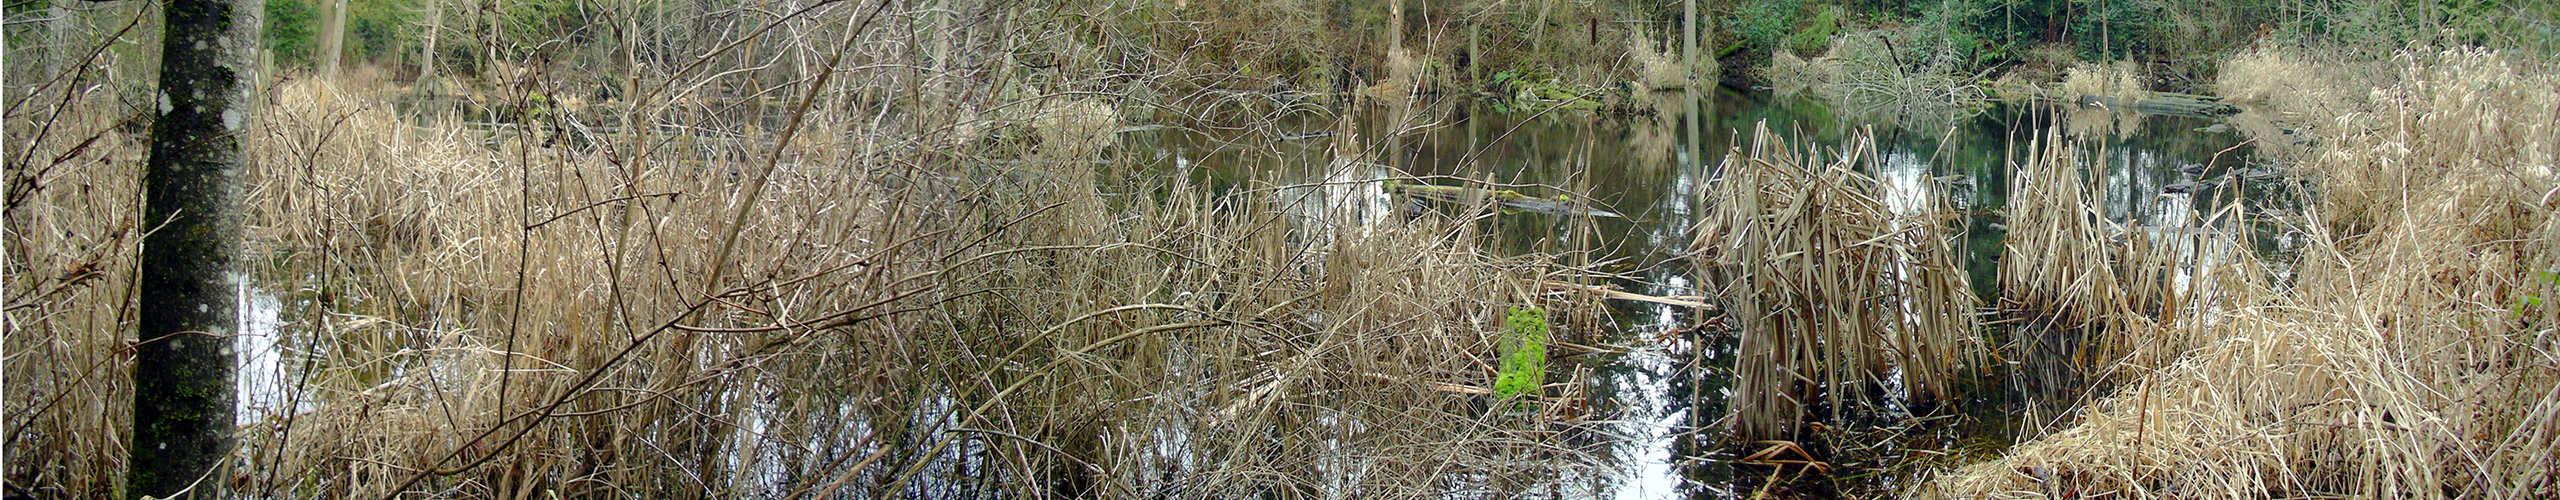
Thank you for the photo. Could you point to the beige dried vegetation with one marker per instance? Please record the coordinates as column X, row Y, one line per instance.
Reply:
column 2415, row 353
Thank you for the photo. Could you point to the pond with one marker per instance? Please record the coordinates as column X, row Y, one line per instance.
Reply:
column 1657, row 377
column 1658, row 385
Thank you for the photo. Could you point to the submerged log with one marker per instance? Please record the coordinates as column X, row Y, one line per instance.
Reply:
column 1506, row 199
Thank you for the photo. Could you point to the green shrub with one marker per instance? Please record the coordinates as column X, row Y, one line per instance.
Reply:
column 375, row 27
column 2113, row 31
column 291, row 27
column 1764, row 23
column 1815, row 34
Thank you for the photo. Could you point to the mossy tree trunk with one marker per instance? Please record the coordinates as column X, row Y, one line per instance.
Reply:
column 191, row 260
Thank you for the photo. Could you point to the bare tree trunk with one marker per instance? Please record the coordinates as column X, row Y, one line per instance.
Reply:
column 333, row 39
column 191, row 273
column 1395, row 25
column 1689, row 41
column 435, row 26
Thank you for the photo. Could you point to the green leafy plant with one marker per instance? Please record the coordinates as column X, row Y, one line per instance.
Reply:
column 1524, row 354
column 1815, row 34
column 2529, row 302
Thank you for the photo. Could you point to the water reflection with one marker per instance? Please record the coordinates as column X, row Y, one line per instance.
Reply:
column 260, row 378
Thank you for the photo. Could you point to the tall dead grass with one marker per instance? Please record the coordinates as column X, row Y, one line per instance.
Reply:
column 1832, row 291
column 2413, row 357
column 2056, row 261
column 2140, row 291
column 69, row 281
column 2290, row 97
column 701, row 307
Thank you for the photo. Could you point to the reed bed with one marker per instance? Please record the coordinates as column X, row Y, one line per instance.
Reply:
column 2057, row 261
column 2412, row 357
column 1832, row 291
column 964, row 295
column 2139, row 290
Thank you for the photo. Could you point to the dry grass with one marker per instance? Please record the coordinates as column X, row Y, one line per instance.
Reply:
column 2290, row 96
column 1789, row 75
column 2122, row 79
column 1655, row 69
column 694, row 310
column 69, row 279
column 2414, row 355
column 2056, row 262
column 1403, row 79
column 1831, row 290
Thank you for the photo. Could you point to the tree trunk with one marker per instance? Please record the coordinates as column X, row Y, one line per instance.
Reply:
column 191, row 276
column 435, row 26
column 333, row 39
column 1689, row 40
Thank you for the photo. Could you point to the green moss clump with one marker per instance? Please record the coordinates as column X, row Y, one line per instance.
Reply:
column 1524, row 354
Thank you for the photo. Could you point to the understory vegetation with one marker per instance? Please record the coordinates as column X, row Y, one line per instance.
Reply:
column 872, row 264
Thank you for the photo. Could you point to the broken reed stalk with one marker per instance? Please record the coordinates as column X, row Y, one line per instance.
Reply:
column 1831, row 290
column 1941, row 334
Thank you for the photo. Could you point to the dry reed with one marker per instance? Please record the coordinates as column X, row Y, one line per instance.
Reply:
column 2056, row 261
column 2411, row 358
column 1833, row 292
column 2143, row 290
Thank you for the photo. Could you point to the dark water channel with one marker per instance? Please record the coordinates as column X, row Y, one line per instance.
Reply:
column 1660, row 388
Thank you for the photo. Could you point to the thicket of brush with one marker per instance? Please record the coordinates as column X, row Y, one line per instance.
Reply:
column 962, row 291
column 2413, row 355
column 1837, row 298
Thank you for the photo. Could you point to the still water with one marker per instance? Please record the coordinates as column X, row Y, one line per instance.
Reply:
column 1658, row 387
